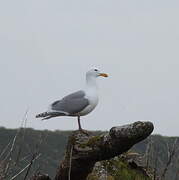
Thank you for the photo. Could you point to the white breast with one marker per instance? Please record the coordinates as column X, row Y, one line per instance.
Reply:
column 93, row 101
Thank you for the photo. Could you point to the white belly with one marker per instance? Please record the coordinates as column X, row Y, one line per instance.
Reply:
column 93, row 101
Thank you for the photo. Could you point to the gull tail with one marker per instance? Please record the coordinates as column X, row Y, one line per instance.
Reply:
column 48, row 115
column 42, row 115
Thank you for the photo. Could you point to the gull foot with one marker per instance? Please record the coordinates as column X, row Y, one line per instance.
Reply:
column 84, row 132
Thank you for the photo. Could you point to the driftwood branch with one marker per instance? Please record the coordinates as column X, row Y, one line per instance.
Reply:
column 88, row 149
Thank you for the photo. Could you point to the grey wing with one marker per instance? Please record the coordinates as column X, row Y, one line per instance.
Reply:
column 71, row 104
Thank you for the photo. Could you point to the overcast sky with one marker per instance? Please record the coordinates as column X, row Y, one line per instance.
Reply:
column 46, row 47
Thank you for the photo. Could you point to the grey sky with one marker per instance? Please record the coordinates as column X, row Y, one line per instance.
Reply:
column 47, row 46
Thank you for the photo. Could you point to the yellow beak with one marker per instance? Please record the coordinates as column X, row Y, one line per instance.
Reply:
column 103, row 74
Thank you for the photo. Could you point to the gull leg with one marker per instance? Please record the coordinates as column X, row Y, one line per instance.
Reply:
column 79, row 124
column 80, row 129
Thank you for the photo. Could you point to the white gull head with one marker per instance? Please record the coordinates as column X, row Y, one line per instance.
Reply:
column 91, row 76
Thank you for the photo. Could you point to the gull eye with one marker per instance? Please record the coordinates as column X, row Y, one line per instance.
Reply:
column 95, row 70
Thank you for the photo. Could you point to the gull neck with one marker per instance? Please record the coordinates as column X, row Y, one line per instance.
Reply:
column 91, row 82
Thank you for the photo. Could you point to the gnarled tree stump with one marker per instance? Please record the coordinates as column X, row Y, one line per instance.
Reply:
column 84, row 150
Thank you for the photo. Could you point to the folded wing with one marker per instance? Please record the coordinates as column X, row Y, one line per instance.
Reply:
column 71, row 104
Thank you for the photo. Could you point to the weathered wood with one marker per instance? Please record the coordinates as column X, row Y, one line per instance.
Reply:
column 84, row 150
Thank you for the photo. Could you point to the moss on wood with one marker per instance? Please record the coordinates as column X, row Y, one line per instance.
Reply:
column 117, row 169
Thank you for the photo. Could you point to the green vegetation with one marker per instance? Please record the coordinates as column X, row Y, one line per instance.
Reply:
column 117, row 169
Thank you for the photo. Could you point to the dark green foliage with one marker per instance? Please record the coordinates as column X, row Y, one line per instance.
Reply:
column 158, row 154
column 50, row 144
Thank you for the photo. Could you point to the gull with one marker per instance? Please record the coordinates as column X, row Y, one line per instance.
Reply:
column 77, row 104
